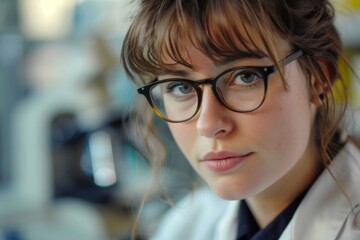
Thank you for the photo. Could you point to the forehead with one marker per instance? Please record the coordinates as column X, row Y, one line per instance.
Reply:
column 194, row 56
column 221, row 44
column 223, row 33
column 198, row 62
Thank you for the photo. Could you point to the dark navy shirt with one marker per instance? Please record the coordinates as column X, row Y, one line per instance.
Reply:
column 249, row 229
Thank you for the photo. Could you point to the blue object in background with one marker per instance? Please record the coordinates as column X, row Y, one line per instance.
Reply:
column 10, row 235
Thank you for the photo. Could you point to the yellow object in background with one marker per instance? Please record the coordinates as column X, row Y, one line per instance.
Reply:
column 354, row 3
column 346, row 5
column 345, row 73
column 355, row 83
column 350, row 76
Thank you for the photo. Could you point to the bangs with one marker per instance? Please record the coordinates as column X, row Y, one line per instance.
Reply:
column 222, row 30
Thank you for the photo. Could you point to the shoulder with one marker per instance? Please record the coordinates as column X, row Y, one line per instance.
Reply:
column 346, row 171
column 194, row 217
column 349, row 165
column 331, row 208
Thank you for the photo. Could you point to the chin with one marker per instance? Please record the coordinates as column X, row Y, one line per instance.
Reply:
column 230, row 191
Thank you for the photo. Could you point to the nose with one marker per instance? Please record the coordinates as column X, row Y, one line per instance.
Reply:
column 213, row 120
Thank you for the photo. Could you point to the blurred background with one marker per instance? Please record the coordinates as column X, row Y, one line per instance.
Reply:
column 68, row 168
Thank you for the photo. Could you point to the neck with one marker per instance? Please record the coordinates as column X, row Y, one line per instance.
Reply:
column 270, row 203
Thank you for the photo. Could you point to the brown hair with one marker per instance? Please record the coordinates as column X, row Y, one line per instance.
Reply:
column 212, row 26
column 160, row 27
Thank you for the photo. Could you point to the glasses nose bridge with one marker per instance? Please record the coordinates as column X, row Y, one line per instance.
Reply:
column 206, row 81
column 212, row 82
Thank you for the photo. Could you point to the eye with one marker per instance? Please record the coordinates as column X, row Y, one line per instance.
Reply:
column 178, row 91
column 246, row 78
column 179, row 88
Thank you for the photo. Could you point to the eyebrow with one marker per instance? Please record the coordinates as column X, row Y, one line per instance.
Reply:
column 181, row 73
column 239, row 55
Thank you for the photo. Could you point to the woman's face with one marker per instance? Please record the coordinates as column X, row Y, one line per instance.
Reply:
column 241, row 155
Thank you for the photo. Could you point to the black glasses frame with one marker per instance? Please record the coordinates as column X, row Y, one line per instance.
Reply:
column 265, row 71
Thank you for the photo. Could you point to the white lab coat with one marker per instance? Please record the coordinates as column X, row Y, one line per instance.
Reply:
column 324, row 214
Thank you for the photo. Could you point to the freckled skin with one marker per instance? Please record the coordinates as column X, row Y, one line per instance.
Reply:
column 278, row 134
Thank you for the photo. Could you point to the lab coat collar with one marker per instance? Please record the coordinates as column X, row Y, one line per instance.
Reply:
column 325, row 209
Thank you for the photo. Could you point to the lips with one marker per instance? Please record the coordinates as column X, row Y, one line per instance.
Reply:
column 224, row 161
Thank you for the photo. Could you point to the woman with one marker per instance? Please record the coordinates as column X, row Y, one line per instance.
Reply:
column 247, row 89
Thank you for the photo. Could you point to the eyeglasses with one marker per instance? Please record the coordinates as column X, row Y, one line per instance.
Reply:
column 240, row 89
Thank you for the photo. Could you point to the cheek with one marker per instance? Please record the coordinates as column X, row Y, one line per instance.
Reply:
column 287, row 120
column 184, row 135
column 287, row 129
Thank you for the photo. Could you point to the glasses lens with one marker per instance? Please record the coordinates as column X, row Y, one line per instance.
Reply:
column 175, row 100
column 242, row 89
